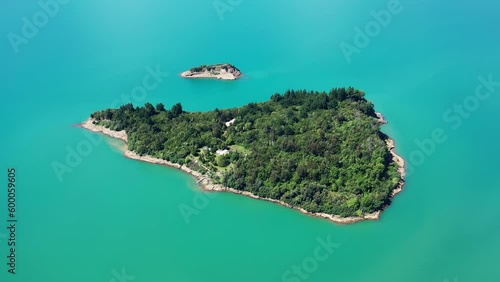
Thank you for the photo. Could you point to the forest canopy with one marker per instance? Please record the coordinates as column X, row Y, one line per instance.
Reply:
column 322, row 151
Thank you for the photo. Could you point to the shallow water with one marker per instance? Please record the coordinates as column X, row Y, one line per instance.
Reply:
column 109, row 214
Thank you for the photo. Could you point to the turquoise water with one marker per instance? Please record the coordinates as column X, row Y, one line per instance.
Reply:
column 109, row 214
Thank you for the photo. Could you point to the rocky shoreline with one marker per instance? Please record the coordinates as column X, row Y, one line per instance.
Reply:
column 207, row 184
column 220, row 71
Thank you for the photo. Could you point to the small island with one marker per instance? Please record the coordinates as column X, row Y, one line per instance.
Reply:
column 219, row 71
column 321, row 153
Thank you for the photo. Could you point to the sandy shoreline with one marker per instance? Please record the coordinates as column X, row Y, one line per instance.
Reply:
column 207, row 184
column 122, row 135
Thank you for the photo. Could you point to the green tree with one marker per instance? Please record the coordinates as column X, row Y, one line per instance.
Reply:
column 160, row 107
column 222, row 160
column 176, row 110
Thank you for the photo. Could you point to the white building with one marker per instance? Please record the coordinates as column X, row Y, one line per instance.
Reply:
column 222, row 152
column 230, row 122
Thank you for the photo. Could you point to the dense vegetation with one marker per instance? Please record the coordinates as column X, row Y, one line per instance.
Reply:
column 320, row 151
column 199, row 69
column 213, row 68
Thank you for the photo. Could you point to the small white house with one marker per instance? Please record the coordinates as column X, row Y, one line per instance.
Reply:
column 229, row 123
column 222, row 152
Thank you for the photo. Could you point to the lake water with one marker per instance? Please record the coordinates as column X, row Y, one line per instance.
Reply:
column 107, row 218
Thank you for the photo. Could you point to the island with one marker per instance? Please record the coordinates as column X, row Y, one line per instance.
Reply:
column 322, row 153
column 219, row 71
